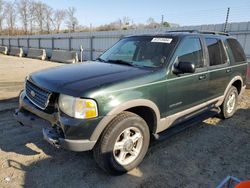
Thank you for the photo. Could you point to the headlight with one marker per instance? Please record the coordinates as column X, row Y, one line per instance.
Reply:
column 77, row 107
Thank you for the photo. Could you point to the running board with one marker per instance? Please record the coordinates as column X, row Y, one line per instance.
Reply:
column 186, row 124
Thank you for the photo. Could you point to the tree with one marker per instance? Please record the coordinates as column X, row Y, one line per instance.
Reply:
column 31, row 16
column 58, row 18
column 72, row 21
column 126, row 22
column 24, row 12
column 166, row 24
column 150, row 20
column 1, row 14
column 48, row 17
column 10, row 16
column 151, row 23
column 39, row 14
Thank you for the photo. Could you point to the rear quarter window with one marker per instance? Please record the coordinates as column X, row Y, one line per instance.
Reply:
column 237, row 50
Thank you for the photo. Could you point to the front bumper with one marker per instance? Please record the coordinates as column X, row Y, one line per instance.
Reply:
column 28, row 114
column 52, row 137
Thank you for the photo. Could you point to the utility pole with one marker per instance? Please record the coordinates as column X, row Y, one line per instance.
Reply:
column 225, row 26
column 120, row 23
column 90, row 28
column 162, row 20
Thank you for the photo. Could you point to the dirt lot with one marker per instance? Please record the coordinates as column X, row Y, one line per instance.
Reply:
column 200, row 156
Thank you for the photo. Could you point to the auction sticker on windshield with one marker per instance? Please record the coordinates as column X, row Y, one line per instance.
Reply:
column 162, row 40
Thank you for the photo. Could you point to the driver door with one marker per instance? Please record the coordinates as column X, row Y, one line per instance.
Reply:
column 189, row 89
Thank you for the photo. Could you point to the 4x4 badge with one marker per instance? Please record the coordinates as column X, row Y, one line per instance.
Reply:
column 33, row 94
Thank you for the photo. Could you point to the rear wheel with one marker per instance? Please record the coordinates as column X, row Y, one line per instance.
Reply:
column 123, row 144
column 229, row 106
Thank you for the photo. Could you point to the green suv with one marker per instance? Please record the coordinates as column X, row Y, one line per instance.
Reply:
column 140, row 87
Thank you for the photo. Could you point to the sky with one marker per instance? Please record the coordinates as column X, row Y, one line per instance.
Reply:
column 196, row 12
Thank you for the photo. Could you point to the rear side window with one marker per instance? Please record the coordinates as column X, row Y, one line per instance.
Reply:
column 237, row 50
column 217, row 54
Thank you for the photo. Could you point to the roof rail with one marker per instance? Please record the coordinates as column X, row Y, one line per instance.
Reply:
column 214, row 33
column 187, row 31
column 201, row 32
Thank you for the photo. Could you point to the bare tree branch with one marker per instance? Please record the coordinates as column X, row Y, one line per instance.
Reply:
column 39, row 14
column 23, row 10
column 10, row 16
column 1, row 14
column 72, row 21
column 48, row 17
column 59, row 17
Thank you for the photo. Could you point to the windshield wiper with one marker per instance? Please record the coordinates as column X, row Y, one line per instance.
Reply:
column 100, row 59
column 118, row 61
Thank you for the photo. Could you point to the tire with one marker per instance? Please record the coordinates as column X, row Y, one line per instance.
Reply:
column 227, row 109
column 121, row 130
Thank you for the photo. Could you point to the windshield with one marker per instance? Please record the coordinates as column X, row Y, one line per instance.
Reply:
column 140, row 51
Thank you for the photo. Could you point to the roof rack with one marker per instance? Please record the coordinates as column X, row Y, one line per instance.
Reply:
column 214, row 33
column 201, row 32
column 185, row 30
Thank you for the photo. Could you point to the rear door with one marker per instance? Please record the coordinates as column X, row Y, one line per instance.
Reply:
column 219, row 68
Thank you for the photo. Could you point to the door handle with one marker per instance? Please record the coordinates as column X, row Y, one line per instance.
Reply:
column 202, row 77
column 228, row 70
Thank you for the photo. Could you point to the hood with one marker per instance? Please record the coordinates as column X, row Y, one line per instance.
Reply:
column 77, row 78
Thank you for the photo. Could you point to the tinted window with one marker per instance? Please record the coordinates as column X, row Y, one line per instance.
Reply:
column 237, row 50
column 190, row 51
column 217, row 54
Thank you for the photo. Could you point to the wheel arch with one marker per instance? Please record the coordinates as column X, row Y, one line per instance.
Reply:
column 141, row 107
column 238, row 85
column 236, row 81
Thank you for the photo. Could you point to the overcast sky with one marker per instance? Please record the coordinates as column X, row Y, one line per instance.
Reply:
column 175, row 11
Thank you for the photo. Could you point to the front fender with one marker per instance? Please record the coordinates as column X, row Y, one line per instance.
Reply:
column 120, row 108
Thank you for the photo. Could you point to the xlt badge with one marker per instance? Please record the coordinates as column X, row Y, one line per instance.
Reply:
column 175, row 104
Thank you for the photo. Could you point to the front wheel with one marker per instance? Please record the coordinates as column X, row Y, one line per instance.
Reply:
column 123, row 144
column 229, row 106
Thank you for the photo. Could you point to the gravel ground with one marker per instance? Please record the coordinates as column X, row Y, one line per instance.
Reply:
column 200, row 156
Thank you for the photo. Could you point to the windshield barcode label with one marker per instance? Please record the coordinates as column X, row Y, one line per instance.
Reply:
column 162, row 40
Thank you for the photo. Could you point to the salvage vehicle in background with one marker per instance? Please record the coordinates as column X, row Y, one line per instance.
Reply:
column 141, row 86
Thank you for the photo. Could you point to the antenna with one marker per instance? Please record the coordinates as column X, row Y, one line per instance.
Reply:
column 225, row 26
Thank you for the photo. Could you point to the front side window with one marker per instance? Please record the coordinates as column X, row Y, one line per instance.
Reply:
column 140, row 51
column 190, row 51
column 216, row 51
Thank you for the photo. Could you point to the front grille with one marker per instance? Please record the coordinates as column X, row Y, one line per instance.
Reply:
column 37, row 95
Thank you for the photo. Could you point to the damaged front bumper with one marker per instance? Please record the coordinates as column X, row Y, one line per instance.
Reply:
column 28, row 114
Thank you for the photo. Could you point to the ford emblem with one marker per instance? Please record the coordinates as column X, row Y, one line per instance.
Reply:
column 33, row 94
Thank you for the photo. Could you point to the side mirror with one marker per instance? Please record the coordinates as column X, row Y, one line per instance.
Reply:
column 184, row 67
